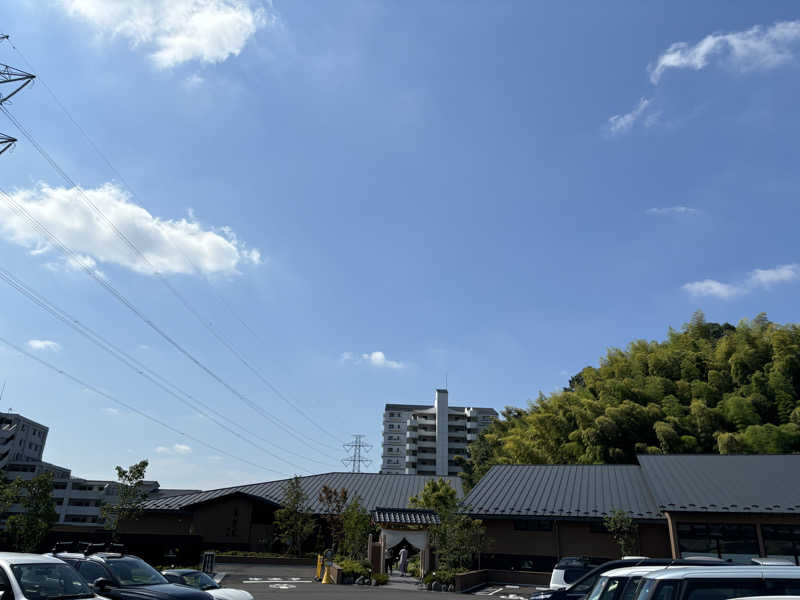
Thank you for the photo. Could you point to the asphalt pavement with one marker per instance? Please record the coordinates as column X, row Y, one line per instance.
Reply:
column 267, row 582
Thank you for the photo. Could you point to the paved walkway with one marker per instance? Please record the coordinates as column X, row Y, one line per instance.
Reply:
column 398, row 581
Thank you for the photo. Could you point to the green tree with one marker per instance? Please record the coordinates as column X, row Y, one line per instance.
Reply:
column 458, row 539
column 624, row 531
column 9, row 492
column 130, row 497
column 356, row 527
column 294, row 521
column 333, row 503
column 707, row 388
column 26, row 531
column 437, row 495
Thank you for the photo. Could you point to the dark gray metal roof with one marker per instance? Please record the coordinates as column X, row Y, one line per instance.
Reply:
column 755, row 483
column 373, row 489
column 407, row 516
column 561, row 491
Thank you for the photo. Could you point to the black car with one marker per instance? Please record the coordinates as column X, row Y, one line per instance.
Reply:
column 584, row 584
column 121, row 576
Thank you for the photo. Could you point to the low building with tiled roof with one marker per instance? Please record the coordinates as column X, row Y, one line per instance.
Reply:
column 242, row 517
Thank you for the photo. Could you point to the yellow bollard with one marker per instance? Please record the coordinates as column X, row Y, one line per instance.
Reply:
column 319, row 567
column 326, row 578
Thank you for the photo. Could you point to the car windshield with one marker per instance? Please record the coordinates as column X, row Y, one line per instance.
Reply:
column 598, row 588
column 50, row 581
column 130, row 570
column 199, row 580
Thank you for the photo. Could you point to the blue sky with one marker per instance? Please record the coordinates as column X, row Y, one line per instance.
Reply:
column 385, row 194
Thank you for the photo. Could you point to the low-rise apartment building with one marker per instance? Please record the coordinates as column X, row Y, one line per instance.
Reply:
column 425, row 439
column 77, row 501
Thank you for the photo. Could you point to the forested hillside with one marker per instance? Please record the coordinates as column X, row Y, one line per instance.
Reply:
column 707, row 388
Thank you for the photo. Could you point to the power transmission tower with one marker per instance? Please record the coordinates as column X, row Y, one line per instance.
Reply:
column 17, row 80
column 356, row 459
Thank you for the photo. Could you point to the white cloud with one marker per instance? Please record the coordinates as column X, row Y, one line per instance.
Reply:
column 622, row 123
column 111, row 411
column 378, row 359
column 758, row 278
column 758, row 48
column 375, row 359
column 769, row 277
column 178, row 31
column 165, row 242
column 181, row 449
column 44, row 345
column 711, row 287
column 672, row 210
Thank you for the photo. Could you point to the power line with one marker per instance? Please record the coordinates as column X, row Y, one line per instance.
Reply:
column 130, row 407
column 141, row 369
column 182, row 300
column 80, row 262
column 160, row 276
column 355, row 460
column 103, row 281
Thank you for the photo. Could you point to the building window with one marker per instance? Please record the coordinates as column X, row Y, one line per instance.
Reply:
column 723, row 540
column 533, row 525
column 782, row 541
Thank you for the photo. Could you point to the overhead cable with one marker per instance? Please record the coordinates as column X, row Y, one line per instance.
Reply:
column 264, row 380
column 130, row 407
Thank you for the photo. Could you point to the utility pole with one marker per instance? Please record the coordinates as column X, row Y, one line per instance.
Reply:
column 355, row 448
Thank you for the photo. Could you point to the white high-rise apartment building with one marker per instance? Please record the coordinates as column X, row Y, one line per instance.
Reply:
column 424, row 440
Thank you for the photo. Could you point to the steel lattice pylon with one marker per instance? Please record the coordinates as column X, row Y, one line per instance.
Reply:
column 12, row 75
column 6, row 142
column 355, row 460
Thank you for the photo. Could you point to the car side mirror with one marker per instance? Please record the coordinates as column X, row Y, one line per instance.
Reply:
column 100, row 584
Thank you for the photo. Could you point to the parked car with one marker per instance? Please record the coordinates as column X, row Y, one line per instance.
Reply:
column 569, row 569
column 719, row 583
column 203, row 581
column 36, row 577
column 622, row 584
column 120, row 576
column 584, row 584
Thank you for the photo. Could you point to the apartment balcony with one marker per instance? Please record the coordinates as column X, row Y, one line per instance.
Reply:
column 411, row 446
column 471, row 437
column 472, row 425
column 422, row 443
column 451, row 446
column 411, row 434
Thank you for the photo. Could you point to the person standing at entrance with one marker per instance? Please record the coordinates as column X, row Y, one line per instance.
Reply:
column 387, row 560
column 403, row 561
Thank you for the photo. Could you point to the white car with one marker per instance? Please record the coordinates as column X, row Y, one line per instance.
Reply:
column 203, row 581
column 37, row 577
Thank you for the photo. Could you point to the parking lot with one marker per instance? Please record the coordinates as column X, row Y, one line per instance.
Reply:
column 267, row 581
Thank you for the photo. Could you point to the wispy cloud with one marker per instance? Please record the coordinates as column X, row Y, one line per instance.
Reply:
column 673, row 210
column 768, row 277
column 376, row 359
column 45, row 345
column 758, row 278
column 180, row 449
column 758, row 48
column 178, row 31
column 712, row 287
column 622, row 123
column 194, row 80
column 165, row 242
column 111, row 411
